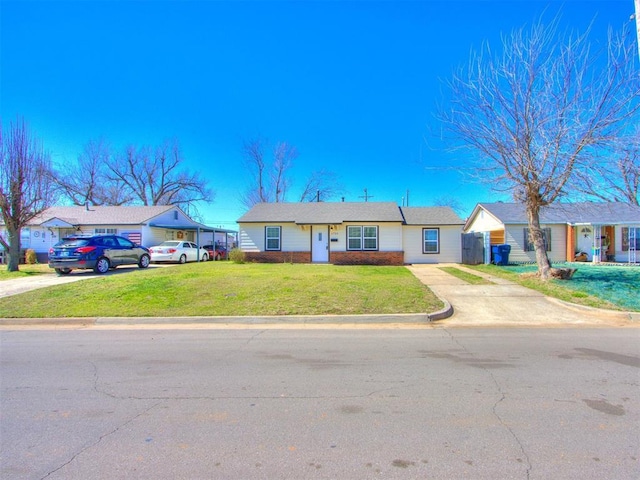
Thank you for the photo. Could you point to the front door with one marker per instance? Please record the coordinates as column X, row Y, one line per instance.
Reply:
column 319, row 243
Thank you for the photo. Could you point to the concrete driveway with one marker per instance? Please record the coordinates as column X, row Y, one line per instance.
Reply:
column 506, row 303
column 26, row 284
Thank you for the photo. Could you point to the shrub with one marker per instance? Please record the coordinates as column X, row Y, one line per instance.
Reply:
column 30, row 257
column 237, row 256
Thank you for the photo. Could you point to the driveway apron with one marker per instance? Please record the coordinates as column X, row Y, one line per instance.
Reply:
column 505, row 303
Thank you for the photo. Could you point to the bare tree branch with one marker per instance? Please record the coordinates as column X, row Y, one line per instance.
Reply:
column 155, row 177
column 272, row 181
column 26, row 185
column 544, row 108
column 87, row 180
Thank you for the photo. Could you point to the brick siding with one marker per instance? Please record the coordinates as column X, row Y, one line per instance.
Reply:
column 336, row 258
column 367, row 258
column 278, row 257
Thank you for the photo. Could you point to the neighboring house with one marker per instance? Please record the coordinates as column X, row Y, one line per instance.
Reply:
column 602, row 231
column 343, row 233
column 147, row 226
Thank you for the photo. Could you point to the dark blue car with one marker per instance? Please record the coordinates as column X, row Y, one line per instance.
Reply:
column 97, row 252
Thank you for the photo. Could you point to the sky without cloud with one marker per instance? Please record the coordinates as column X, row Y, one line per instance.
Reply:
column 352, row 84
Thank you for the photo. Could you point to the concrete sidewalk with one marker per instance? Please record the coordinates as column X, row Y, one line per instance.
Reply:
column 506, row 303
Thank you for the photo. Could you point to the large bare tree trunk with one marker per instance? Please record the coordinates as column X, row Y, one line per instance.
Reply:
column 536, row 235
column 14, row 251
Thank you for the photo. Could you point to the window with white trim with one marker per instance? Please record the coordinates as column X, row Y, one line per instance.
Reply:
column 362, row 237
column 430, row 240
column 105, row 231
column 272, row 238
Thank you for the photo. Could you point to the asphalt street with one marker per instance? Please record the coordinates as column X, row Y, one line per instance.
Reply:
column 438, row 403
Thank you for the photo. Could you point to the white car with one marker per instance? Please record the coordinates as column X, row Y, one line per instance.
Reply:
column 178, row 251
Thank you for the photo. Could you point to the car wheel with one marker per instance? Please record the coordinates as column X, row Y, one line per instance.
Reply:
column 102, row 265
column 183, row 259
column 218, row 257
column 144, row 261
column 63, row 271
column 205, row 257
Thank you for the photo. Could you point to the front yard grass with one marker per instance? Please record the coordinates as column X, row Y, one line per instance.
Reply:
column 606, row 286
column 24, row 271
column 228, row 289
column 466, row 276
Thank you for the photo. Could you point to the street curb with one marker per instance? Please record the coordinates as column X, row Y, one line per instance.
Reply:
column 600, row 312
column 446, row 312
column 392, row 320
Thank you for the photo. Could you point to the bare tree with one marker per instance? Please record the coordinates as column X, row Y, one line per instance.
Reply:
column 283, row 157
column 155, row 177
column 271, row 181
column 255, row 163
column 88, row 181
column 26, row 185
column 320, row 185
column 615, row 177
column 540, row 110
column 449, row 201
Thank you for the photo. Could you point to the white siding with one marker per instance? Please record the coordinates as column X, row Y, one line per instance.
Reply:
column 483, row 222
column 450, row 250
column 39, row 239
column 514, row 236
column 390, row 237
column 293, row 238
column 169, row 218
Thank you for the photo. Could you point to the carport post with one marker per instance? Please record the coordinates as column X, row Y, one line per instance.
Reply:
column 198, row 241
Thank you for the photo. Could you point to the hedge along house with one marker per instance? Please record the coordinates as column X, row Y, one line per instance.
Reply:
column 146, row 225
column 349, row 233
column 587, row 231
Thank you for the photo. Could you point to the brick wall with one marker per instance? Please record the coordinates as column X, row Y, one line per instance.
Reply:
column 336, row 258
column 367, row 258
column 278, row 257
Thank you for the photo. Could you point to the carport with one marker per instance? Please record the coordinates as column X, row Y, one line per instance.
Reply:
column 229, row 236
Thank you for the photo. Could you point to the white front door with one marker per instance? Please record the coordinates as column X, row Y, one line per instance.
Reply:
column 319, row 243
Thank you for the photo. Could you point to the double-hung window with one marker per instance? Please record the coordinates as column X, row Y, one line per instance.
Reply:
column 362, row 237
column 546, row 236
column 430, row 240
column 272, row 238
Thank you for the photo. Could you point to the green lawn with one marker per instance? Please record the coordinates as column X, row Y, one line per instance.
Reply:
column 603, row 286
column 24, row 271
column 466, row 276
column 227, row 289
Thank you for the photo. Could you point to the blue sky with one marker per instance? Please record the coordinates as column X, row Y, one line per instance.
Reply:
column 352, row 84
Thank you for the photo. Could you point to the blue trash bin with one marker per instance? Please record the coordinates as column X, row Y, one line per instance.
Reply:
column 500, row 254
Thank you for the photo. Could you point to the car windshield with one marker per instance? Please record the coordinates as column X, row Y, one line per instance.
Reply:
column 72, row 242
column 169, row 244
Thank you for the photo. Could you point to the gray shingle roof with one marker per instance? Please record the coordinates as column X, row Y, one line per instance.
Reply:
column 340, row 212
column 431, row 216
column 323, row 213
column 582, row 212
column 96, row 215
